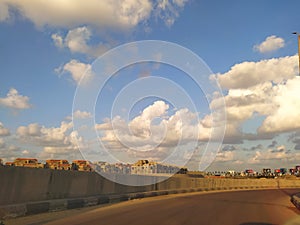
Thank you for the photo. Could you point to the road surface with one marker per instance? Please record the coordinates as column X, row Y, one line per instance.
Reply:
column 253, row 207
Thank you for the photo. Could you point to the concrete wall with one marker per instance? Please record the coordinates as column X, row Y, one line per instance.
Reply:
column 20, row 185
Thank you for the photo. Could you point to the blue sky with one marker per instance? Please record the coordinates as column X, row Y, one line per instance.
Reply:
column 46, row 47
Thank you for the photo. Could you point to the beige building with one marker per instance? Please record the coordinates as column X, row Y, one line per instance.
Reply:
column 119, row 168
column 150, row 167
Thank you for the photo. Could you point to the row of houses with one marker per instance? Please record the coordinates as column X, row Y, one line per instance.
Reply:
column 56, row 164
column 140, row 167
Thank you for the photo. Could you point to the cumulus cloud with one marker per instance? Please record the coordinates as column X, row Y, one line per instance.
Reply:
column 242, row 105
column 141, row 125
column 4, row 11
column 32, row 130
column 270, row 44
column 77, row 40
column 8, row 152
column 25, row 152
column 82, row 114
column 80, row 17
column 269, row 155
column 277, row 105
column 247, row 74
column 154, row 132
column 77, row 70
column 2, row 143
column 266, row 89
column 119, row 14
column 286, row 113
column 69, row 13
column 58, row 40
column 258, row 156
column 15, row 101
column 3, row 130
column 53, row 140
column 295, row 139
column 225, row 156
column 168, row 10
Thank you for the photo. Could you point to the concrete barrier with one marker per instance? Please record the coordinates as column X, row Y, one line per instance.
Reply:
column 26, row 191
column 295, row 199
column 20, row 185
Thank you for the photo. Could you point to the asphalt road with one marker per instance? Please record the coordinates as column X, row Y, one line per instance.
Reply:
column 255, row 207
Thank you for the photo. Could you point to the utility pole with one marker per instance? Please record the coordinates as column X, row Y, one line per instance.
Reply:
column 298, row 50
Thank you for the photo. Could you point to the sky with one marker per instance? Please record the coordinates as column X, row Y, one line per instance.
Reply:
column 151, row 110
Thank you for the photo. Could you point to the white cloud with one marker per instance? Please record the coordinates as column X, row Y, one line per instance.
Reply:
column 77, row 70
column 25, row 152
column 58, row 40
column 279, row 105
column 33, row 130
column 4, row 12
column 14, row 100
column 103, row 14
column 53, row 140
column 80, row 17
column 77, row 40
column 224, row 156
column 8, row 152
column 269, row 155
column 82, row 114
column 69, row 13
column 247, row 74
column 241, row 106
column 286, row 108
column 3, row 130
column 52, row 136
column 141, row 125
column 2, row 143
column 272, row 43
column 265, row 89
column 168, row 10
column 242, row 103
column 154, row 132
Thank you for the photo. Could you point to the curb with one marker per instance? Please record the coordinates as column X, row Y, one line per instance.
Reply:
column 295, row 199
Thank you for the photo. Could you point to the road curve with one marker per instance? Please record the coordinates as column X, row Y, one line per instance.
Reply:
column 248, row 207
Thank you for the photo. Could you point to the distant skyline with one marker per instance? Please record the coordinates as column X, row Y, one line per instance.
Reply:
column 46, row 47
